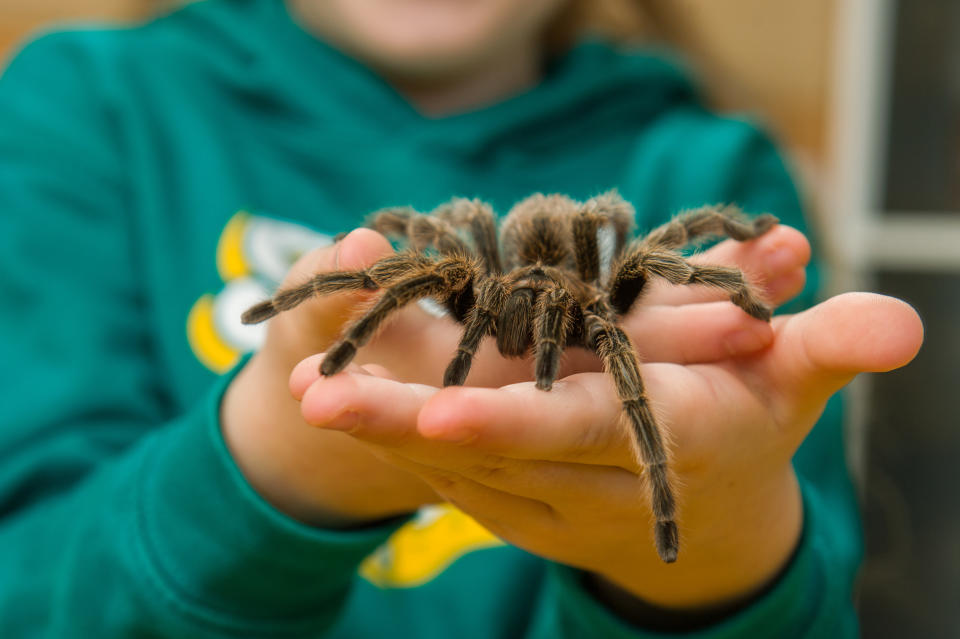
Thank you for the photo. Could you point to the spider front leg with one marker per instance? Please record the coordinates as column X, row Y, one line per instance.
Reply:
column 377, row 276
column 620, row 360
column 448, row 276
column 480, row 322
column 632, row 273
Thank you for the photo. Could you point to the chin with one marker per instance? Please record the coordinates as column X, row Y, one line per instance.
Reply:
column 429, row 37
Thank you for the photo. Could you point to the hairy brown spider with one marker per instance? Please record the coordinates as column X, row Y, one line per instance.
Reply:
column 561, row 275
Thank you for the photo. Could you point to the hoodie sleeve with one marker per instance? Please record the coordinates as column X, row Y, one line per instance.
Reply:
column 118, row 518
column 813, row 597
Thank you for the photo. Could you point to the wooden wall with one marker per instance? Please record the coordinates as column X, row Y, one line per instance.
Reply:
column 18, row 18
column 776, row 58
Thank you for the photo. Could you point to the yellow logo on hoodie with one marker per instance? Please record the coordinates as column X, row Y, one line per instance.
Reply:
column 254, row 253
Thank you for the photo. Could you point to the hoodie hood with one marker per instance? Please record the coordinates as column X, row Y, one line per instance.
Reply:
column 595, row 85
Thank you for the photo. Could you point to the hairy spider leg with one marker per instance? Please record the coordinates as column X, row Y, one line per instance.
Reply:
column 480, row 322
column 392, row 221
column 421, row 231
column 477, row 217
column 690, row 226
column 586, row 251
column 318, row 285
column 615, row 211
column 551, row 321
column 731, row 280
column 449, row 275
column 620, row 360
column 425, row 231
column 631, row 276
column 378, row 275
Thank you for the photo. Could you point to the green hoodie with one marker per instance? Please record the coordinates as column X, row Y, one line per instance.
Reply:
column 155, row 180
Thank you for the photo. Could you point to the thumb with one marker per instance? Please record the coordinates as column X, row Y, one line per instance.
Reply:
column 817, row 352
column 357, row 250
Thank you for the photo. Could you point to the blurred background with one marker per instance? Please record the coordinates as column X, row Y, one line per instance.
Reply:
column 864, row 96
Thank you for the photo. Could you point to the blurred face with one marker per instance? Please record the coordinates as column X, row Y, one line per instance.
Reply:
column 425, row 39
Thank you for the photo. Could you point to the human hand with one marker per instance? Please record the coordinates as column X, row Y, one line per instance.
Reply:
column 302, row 470
column 552, row 472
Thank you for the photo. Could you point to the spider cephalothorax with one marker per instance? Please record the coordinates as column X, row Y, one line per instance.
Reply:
column 560, row 274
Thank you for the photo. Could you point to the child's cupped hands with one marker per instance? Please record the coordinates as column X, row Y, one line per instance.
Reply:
column 554, row 472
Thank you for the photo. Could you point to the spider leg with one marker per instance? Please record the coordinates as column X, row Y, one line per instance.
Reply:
column 449, row 275
column 632, row 273
column 619, row 359
column 586, row 250
column 600, row 229
column 392, row 221
column 420, row 230
column 480, row 322
column 551, row 321
column 731, row 280
column 427, row 230
column 691, row 226
column 378, row 275
column 478, row 218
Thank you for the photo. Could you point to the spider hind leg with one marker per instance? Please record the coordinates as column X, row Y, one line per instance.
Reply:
column 709, row 221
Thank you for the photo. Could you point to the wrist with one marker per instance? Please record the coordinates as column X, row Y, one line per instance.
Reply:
column 322, row 478
column 734, row 548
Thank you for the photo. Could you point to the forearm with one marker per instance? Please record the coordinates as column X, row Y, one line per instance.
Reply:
column 169, row 537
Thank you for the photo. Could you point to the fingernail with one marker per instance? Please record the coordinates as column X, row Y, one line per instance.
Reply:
column 746, row 341
column 781, row 259
column 345, row 421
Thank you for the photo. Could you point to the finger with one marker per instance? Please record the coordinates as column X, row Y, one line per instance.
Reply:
column 579, row 420
column 559, row 483
column 582, row 420
column 694, row 333
column 343, row 406
column 375, row 409
column 781, row 252
column 308, row 371
column 509, row 516
column 817, row 352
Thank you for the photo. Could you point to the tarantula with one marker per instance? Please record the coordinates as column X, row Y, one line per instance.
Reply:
column 560, row 275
